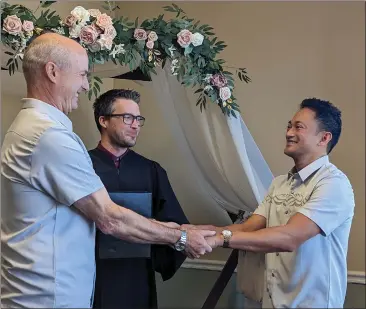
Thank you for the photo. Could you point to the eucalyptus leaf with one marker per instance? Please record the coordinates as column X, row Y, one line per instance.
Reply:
column 188, row 50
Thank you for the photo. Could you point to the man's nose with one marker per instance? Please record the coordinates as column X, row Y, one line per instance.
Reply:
column 289, row 132
column 135, row 124
column 85, row 85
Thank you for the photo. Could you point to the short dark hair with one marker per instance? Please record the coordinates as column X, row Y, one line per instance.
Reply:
column 328, row 117
column 103, row 105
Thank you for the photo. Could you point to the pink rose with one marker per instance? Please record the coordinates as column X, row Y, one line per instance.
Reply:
column 104, row 21
column 105, row 42
column 225, row 93
column 219, row 80
column 88, row 35
column 70, row 20
column 12, row 25
column 184, row 38
column 28, row 26
column 140, row 34
column 150, row 44
column 110, row 31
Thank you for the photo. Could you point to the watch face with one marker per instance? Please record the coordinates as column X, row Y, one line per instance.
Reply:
column 179, row 246
column 226, row 233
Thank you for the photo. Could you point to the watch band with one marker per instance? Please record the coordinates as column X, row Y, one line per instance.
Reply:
column 226, row 242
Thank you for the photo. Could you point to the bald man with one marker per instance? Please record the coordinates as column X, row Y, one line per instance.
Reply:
column 53, row 200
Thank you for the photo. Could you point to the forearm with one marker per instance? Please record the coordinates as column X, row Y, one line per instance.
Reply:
column 128, row 225
column 254, row 223
column 275, row 239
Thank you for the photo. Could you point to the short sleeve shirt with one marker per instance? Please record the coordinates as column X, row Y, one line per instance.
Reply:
column 314, row 275
column 47, row 244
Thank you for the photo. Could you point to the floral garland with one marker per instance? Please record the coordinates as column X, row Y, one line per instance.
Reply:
column 191, row 48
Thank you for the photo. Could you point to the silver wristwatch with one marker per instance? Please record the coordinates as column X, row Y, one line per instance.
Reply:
column 227, row 235
column 180, row 245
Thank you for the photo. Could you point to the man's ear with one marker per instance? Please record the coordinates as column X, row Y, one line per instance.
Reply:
column 102, row 122
column 52, row 71
column 325, row 138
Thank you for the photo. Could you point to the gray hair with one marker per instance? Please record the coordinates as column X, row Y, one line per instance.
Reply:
column 41, row 51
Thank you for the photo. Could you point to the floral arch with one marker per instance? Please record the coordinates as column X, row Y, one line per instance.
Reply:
column 190, row 48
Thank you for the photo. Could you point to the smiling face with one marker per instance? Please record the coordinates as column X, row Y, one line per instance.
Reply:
column 304, row 137
column 119, row 133
column 74, row 80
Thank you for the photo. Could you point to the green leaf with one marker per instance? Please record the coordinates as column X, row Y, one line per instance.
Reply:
column 201, row 62
column 9, row 61
column 45, row 4
column 9, row 53
column 136, row 22
column 188, row 50
column 95, row 92
column 97, row 86
column 175, row 6
column 199, row 90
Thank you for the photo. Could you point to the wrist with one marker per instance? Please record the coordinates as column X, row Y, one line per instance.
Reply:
column 220, row 240
column 175, row 236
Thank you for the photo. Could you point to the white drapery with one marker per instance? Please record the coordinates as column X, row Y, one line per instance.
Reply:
column 224, row 160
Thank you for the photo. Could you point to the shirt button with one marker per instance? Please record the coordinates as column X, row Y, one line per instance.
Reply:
column 286, row 212
column 277, row 254
column 273, row 275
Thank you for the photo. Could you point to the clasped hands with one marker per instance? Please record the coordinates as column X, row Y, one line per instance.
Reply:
column 201, row 239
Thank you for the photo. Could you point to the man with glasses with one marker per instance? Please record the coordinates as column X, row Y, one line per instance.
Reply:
column 126, row 272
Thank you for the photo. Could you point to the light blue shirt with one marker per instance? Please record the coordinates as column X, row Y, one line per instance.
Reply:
column 315, row 275
column 47, row 245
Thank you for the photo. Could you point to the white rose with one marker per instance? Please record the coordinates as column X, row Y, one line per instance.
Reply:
column 225, row 93
column 81, row 14
column 152, row 36
column 197, row 39
column 75, row 31
column 94, row 12
column 208, row 88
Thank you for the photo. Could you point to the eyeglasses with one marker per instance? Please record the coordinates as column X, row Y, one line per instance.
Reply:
column 129, row 118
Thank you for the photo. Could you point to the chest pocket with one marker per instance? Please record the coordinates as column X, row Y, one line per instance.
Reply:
column 287, row 204
column 294, row 202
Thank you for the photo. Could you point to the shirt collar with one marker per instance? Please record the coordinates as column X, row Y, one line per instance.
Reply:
column 309, row 169
column 114, row 158
column 49, row 110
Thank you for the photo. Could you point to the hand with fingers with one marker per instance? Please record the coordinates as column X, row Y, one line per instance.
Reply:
column 197, row 245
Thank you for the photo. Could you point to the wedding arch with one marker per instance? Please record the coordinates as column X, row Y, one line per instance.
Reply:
column 190, row 48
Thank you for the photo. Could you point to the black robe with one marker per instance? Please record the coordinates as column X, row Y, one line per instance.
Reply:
column 129, row 283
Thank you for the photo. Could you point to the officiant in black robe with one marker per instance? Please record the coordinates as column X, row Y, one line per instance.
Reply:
column 129, row 282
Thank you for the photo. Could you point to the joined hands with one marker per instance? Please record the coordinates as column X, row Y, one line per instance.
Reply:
column 201, row 239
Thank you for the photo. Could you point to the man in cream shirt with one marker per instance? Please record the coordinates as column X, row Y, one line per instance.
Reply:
column 304, row 222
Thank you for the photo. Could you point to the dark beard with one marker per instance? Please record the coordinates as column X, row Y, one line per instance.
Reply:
column 122, row 143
